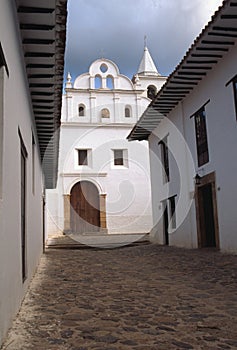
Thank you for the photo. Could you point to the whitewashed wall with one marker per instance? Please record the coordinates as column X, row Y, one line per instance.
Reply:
column 222, row 142
column 128, row 201
column 17, row 115
column 145, row 81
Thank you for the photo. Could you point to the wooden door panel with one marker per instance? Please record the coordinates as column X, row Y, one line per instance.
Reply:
column 85, row 212
column 206, row 216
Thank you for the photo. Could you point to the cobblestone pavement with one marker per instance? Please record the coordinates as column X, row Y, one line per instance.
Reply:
column 138, row 297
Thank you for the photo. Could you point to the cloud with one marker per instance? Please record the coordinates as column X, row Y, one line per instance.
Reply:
column 115, row 29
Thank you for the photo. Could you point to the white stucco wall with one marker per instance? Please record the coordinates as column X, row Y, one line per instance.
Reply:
column 180, row 184
column 222, row 142
column 17, row 115
column 128, row 202
column 94, row 103
column 127, row 188
column 145, row 81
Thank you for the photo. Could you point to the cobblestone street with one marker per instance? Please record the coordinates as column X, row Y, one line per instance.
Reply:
column 134, row 297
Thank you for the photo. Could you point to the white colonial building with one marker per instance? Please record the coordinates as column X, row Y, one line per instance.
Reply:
column 31, row 77
column 104, row 181
column 191, row 127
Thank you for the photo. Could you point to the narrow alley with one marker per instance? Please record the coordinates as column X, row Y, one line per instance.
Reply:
column 142, row 296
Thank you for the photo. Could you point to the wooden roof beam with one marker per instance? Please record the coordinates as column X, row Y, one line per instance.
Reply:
column 202, row 62
column 212, row 49
column 42, row 93
column 31, row 9
column 192, row 73
column 205, row 55
column 214, row 42
column 183, row 82
column 37, row 41
column 229, row 16
column 38, row 54
column 225, row 29
column 226, row 35
column 33, row 26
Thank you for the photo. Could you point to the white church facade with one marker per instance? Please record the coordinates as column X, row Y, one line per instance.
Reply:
column 104, row 181
column 191, row 128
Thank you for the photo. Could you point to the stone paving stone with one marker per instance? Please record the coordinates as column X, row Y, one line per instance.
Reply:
column 135, row 297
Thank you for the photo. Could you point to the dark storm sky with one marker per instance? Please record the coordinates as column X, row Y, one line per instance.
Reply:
column 115, row 29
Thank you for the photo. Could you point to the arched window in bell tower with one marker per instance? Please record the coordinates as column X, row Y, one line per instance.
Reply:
column 110, row 82
column 151, row 91
column 98, row 82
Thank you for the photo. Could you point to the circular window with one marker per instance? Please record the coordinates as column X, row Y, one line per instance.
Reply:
column 103, row 68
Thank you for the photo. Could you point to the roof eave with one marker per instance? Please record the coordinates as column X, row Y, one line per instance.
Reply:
column 43, row 32
column 206, row 51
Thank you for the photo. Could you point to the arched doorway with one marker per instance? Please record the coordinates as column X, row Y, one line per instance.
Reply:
column 85, row 207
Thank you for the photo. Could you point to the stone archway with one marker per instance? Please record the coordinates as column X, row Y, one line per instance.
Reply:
column 85, row 208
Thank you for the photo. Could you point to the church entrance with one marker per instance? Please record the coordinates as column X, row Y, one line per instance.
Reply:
column 207, row 221
column 85, row 208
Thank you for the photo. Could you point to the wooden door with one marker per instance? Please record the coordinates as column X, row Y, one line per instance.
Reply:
column 165, row 223
column 206, row 212
column 207, row 223
column 85, row 208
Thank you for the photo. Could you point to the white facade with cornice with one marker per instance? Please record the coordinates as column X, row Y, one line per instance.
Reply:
column 98, row 110
column 191, row 127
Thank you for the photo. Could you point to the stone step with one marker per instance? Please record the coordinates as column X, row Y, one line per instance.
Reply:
column 92, row 240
